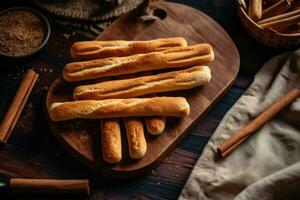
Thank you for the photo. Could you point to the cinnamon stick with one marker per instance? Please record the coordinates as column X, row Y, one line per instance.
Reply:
column 230, row 144
column 255, row 9
column 49, row 186
column 276, row 9
column 17, row 105
column 292, row 29
column 230, row 149
column 286, row 19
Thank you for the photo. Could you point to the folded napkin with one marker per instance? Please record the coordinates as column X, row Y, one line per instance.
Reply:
column 267, row 164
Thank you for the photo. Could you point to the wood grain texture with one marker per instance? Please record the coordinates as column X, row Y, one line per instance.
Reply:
column 33, row 152
column 78, row 137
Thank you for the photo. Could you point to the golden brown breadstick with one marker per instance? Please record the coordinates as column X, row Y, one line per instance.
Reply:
column 134, row 87
column 111, row 140
column 115, row 108
column 102, row 49
column 175, row 57
column 155, row 124
column 255, row 9
column 137, row 145
column 135, row 133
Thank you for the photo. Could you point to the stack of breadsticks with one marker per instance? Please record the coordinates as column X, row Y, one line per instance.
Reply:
column 280, row 15
column 116, row 98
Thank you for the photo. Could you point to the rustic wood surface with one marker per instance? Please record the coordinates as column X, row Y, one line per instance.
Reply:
column 32, row 151
column 81, row 137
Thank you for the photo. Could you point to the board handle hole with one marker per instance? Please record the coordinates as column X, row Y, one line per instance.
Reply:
column 152, row 15
column 160, row 13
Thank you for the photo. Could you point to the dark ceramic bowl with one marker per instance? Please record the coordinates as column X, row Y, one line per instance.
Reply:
column 46, row 37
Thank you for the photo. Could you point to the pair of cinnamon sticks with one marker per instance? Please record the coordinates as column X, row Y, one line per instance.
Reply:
column 279, row 21
column 17, row 105
column 280, row 15
column 19, row 185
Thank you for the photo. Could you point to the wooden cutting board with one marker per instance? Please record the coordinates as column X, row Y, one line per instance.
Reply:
column 81, row 138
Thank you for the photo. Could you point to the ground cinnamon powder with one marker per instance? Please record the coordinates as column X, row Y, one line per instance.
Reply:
column 21, row 32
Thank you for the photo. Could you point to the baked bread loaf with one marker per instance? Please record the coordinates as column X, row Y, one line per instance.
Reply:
column 175, row 57
column 137, row 145
column 134, row 87
column 111, row 140
column 90, row 50
column 115, row 108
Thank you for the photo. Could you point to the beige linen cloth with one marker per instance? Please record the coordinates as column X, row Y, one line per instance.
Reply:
column 267, row 165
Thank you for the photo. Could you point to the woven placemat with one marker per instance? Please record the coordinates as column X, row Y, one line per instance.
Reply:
column 92, row 10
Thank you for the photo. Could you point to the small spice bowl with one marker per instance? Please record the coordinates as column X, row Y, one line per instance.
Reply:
column 31, row 37
column 265, row 36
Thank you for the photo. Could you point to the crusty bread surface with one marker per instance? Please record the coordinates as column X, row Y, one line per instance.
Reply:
column 115, row 108
column 155, row 124
column 89, row 50
column 199, row 54
column 137, row 145
column 134, row 87
column 111, row 140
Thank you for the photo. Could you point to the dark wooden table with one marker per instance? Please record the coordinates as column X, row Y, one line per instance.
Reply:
column 33, row 152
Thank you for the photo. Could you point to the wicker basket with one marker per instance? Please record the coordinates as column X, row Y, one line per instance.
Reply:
column 265, row 36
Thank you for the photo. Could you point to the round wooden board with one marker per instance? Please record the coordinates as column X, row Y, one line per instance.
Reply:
column 82, row 137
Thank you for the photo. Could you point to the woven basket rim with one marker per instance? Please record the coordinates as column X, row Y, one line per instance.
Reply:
column 90, row 12
column 239, row 3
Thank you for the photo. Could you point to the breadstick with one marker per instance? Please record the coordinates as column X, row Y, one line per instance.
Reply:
column 135, row 133
column 115, row 108
column 134, row 87
column 111, row 140
column 102, row 49
column 156, row 124
column 114, row 66
column 280, row 17
column 137, row 145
